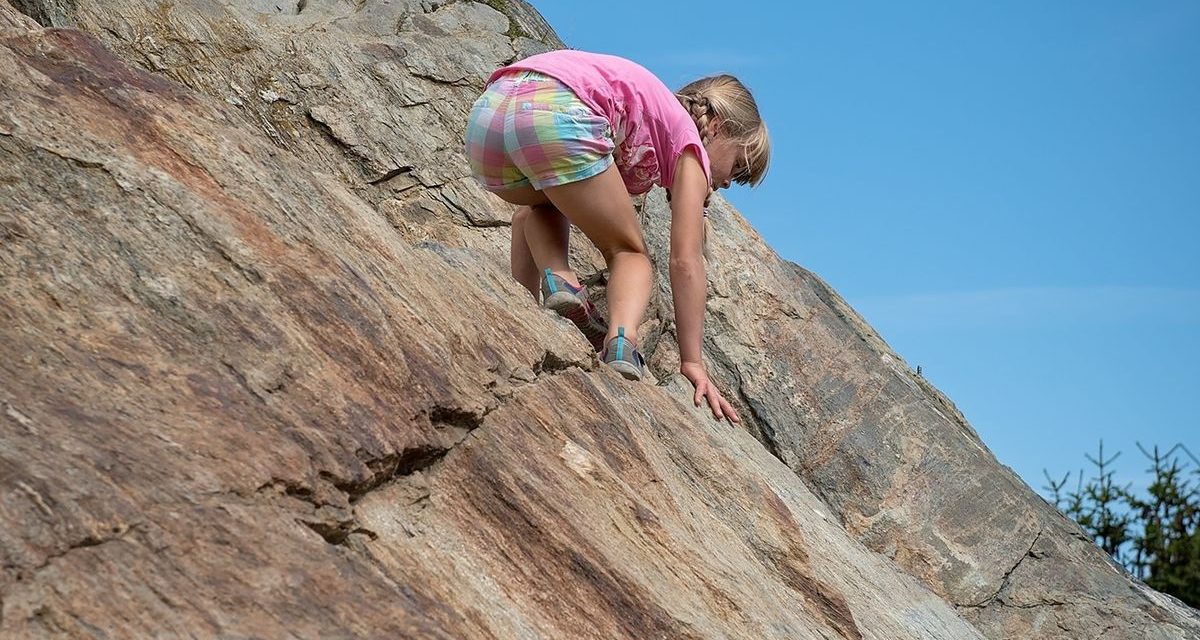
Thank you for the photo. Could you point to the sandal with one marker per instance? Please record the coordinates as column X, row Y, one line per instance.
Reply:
column 621, row 354
column 572, row 303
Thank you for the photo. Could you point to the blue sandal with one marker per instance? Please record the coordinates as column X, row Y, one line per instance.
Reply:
column 572, row 303
column 621, row 354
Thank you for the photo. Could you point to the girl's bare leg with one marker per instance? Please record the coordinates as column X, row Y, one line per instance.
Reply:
column 601, row 208
column 539, row 239
column 524, row 269
column 547, row 232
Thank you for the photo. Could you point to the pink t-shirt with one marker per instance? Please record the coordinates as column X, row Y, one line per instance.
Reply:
column 650, row 127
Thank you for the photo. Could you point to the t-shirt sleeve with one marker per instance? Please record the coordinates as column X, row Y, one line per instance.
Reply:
column 684, row 136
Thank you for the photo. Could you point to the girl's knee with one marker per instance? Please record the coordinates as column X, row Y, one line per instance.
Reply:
column 546, row 211
column 628, row 249
column 520, row 215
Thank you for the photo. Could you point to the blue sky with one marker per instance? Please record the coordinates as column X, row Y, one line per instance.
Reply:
column 1008, row 192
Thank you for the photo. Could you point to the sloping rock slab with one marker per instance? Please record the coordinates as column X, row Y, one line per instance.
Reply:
column 893, row 458
column 238, row 403
column 374, row 94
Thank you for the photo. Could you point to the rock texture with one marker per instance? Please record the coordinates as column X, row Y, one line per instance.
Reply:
column 264, row 375
column 896, row 461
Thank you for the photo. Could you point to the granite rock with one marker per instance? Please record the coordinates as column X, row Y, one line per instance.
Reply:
column 265, row 375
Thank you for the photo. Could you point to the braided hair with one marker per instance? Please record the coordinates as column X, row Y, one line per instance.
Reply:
column 725, row 100
column 700, row 108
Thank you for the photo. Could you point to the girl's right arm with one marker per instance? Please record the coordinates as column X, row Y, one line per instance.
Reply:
column 689, row 284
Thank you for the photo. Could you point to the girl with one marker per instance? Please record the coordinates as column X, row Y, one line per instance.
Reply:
column 570, row 135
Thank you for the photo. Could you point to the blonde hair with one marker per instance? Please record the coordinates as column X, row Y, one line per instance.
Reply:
column 726, row 100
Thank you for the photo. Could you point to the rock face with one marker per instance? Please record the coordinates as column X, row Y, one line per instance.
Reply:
column 265, row 375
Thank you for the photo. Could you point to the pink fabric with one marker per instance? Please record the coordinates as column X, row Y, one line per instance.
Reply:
column 649, row 125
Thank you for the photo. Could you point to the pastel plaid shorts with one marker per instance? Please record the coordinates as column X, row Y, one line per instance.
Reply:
column 530, row 129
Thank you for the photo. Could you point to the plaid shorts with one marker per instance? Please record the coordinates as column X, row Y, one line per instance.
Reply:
column 530, row 129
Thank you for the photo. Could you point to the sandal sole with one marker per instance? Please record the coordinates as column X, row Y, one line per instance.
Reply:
column 627, row 370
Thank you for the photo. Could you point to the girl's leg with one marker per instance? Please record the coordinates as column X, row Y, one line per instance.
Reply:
column 601, row 208
column 539, row 240
column 547, row 233
column 524, row 269
column 539, row 237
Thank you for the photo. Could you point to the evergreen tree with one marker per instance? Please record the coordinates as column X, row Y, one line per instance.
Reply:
column 1167, row 552
column 1156, row 537
column 1097, row 506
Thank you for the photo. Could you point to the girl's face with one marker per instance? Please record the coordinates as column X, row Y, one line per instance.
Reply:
column 725, row 158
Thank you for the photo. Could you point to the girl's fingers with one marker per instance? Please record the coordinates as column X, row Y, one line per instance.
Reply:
column 733, row 416
column 721, row 408
column 714, row 402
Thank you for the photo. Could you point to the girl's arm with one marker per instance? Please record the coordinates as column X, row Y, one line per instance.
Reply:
column 689, row 285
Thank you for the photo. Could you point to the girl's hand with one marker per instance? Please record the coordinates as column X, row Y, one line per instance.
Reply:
column 695, row 372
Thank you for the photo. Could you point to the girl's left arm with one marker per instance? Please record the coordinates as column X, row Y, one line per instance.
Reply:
column 689, row 283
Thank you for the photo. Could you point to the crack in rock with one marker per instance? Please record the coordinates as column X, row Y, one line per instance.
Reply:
column 333, row 516
column 471, row 219
column 420, row 457
column 460, row 82
column 1035, row 605
column 1005, row 578
column 398, row 171
column 551, row 363
column 117, row 533
column 403, row 463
